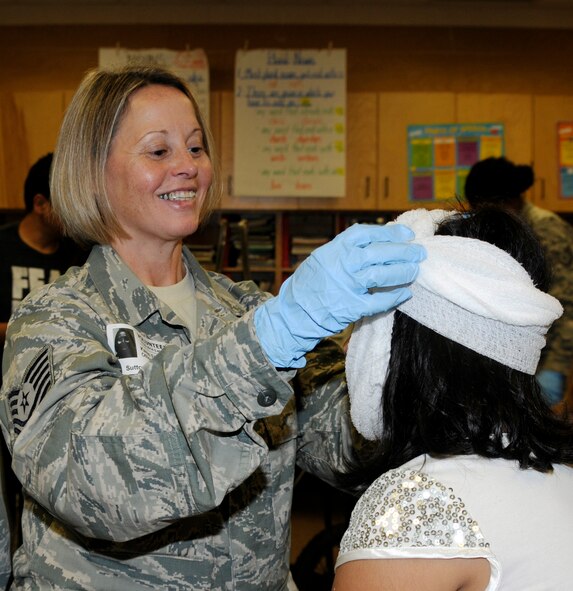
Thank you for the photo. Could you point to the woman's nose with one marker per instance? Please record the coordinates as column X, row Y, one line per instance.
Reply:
column 187, row 164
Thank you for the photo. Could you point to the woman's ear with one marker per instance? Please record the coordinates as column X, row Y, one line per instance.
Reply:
column 42, row 205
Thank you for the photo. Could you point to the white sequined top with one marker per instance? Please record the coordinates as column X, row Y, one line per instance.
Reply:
column 470, row 507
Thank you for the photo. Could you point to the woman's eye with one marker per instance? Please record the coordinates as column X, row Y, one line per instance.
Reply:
column 195, row 150
column 158, row 152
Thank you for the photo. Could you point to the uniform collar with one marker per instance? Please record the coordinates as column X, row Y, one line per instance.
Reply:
column 125, row 293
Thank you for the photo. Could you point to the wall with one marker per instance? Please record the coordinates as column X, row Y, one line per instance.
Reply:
column 380, row 58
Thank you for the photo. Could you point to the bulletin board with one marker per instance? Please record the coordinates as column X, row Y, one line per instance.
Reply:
column 440, row 157
column 290, row 123
column 565, row 156
column 190, row 64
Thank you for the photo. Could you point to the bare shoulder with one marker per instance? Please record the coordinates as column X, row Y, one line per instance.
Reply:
column 422, row 574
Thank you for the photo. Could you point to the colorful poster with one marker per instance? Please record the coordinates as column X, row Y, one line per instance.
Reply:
column 290, row 123
column 189, row 64
column 565, row 155
column 440, row 157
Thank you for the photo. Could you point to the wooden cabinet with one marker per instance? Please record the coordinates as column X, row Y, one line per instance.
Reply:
column 11, row 157
column 397, row 110
column 215, row 120
column 548, row 111
column 515, row 111
column 376, row 143
column 29, row 126
column 42, row 114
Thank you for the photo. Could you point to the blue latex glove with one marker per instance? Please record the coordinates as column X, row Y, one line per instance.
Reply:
column 330, row 289
column 552, row 385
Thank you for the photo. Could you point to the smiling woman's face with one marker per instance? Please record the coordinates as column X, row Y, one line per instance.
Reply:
column 157, row 172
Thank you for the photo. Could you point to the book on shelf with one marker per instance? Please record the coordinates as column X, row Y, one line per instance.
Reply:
column 256, row 234
column 203, row 243
column 204, row 253
column 302, row 246
column 305, row 233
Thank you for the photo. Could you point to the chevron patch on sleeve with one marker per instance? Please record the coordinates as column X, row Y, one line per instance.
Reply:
column 37, row 381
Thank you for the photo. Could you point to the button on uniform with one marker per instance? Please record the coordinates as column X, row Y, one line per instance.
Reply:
column 266, row 398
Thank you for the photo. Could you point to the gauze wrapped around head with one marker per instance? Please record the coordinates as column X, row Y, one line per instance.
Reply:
column 467, row 290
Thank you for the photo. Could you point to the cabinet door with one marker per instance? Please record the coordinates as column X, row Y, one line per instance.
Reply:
column 397, row 110
column 229, row 200
column 548, row 111
column 68, row 96
column 42, row 114
column 215, row 120
column 215, row 126
column 515, row 111
column 13, row 161
column 361, row 158
column 29, row 129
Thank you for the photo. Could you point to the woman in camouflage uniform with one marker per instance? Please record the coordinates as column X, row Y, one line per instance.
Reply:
column 171, row 469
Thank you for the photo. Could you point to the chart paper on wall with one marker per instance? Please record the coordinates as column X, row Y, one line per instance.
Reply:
column 565, row 155
column 290, row 123
column 189, row 64
column 440, row 157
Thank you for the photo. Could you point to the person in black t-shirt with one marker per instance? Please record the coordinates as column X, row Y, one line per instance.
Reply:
column 33, row 251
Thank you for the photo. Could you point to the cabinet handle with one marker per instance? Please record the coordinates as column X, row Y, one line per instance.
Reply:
column 230, row 185
column 386, row 187
column 542, row 183
column 367, row 187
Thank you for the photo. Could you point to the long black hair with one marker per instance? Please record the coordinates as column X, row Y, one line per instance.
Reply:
column 443, row 399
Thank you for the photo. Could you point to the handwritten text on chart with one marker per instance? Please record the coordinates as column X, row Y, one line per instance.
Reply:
column 290, row 123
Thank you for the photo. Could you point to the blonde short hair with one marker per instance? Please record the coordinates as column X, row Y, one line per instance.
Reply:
column 79, row 197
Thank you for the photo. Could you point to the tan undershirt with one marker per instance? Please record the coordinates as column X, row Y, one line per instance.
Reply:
column 181, row 299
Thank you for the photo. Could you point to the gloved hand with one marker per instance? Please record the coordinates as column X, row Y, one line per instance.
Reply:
column 331, row 289
column 552, row 385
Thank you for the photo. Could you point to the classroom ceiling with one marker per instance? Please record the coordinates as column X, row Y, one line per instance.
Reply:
column 473, row 13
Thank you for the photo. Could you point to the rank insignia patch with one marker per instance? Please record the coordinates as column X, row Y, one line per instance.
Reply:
column 37, row 381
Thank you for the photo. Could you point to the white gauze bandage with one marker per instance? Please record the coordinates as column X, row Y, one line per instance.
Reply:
column 467, row 290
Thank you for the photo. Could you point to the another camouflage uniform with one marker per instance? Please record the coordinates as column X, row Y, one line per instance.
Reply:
column 5, row 562
column 556, row 236
column 176, row 477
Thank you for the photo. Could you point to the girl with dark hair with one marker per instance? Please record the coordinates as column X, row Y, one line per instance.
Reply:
column 468, row 481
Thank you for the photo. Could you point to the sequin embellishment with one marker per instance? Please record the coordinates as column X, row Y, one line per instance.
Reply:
column 406, row 508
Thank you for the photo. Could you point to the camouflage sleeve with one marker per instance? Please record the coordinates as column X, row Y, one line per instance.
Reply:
column 556, row 237
column 247, row 293
column 5, row 559
column 326, row 435
column 119, row 456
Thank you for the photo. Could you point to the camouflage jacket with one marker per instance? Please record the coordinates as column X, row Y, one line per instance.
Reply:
column 556, row 237
column 5, row 561
column 169, row 470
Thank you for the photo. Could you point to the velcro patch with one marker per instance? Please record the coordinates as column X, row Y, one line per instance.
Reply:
column 38, row 379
